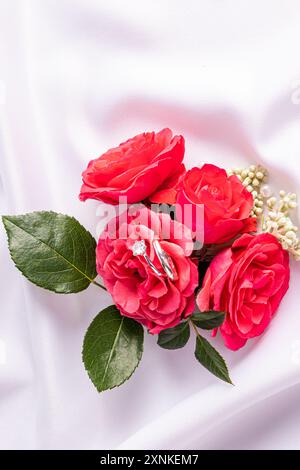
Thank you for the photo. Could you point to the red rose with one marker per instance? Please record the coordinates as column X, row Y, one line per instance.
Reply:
column 136, row 289
column 137, row 169
column 227, row 203
column 247, row 281
column 167, row 193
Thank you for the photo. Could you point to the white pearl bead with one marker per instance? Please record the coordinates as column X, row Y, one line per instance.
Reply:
column 266, row 191
column 247, row 181
column 282, row 221
column 290, row 234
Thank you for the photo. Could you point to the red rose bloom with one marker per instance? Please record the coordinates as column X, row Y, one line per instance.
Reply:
column 137, row 169
column 248, row 282
column 227, row 203
column 139, row 293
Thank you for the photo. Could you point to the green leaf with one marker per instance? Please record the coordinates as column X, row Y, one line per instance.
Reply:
column 208, row 320
column 52, row 250
column 112, row 348
column 174, row 338
column 211, row 359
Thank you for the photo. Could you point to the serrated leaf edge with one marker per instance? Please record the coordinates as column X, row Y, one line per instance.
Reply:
column 199, row 337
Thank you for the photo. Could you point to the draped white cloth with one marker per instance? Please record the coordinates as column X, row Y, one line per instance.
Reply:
column 80, row 76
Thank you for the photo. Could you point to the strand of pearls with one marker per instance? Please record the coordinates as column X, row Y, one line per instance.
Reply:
column 274, row 212
column 278, row 221
column 253, row 178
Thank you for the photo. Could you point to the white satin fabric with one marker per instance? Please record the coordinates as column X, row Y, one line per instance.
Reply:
column 79, row 76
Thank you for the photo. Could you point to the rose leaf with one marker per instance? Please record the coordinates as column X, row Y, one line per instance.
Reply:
column 211, row 359
column 112, row 348
column 208, row 320
column 52, row 250
column 174, row 338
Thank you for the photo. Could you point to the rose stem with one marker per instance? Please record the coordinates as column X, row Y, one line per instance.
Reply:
column 99, row 285
column 194, row 326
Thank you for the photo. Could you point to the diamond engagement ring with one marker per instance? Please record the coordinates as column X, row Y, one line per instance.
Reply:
column 139, row 249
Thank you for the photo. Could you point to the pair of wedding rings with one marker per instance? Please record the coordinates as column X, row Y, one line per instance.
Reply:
column 139, row 249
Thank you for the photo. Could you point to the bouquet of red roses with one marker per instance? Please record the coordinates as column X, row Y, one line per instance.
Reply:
column 204, row 249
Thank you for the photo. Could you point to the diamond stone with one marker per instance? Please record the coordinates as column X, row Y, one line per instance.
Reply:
column 139, row 248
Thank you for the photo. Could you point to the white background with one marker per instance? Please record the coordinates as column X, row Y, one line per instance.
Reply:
column 79, row 76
